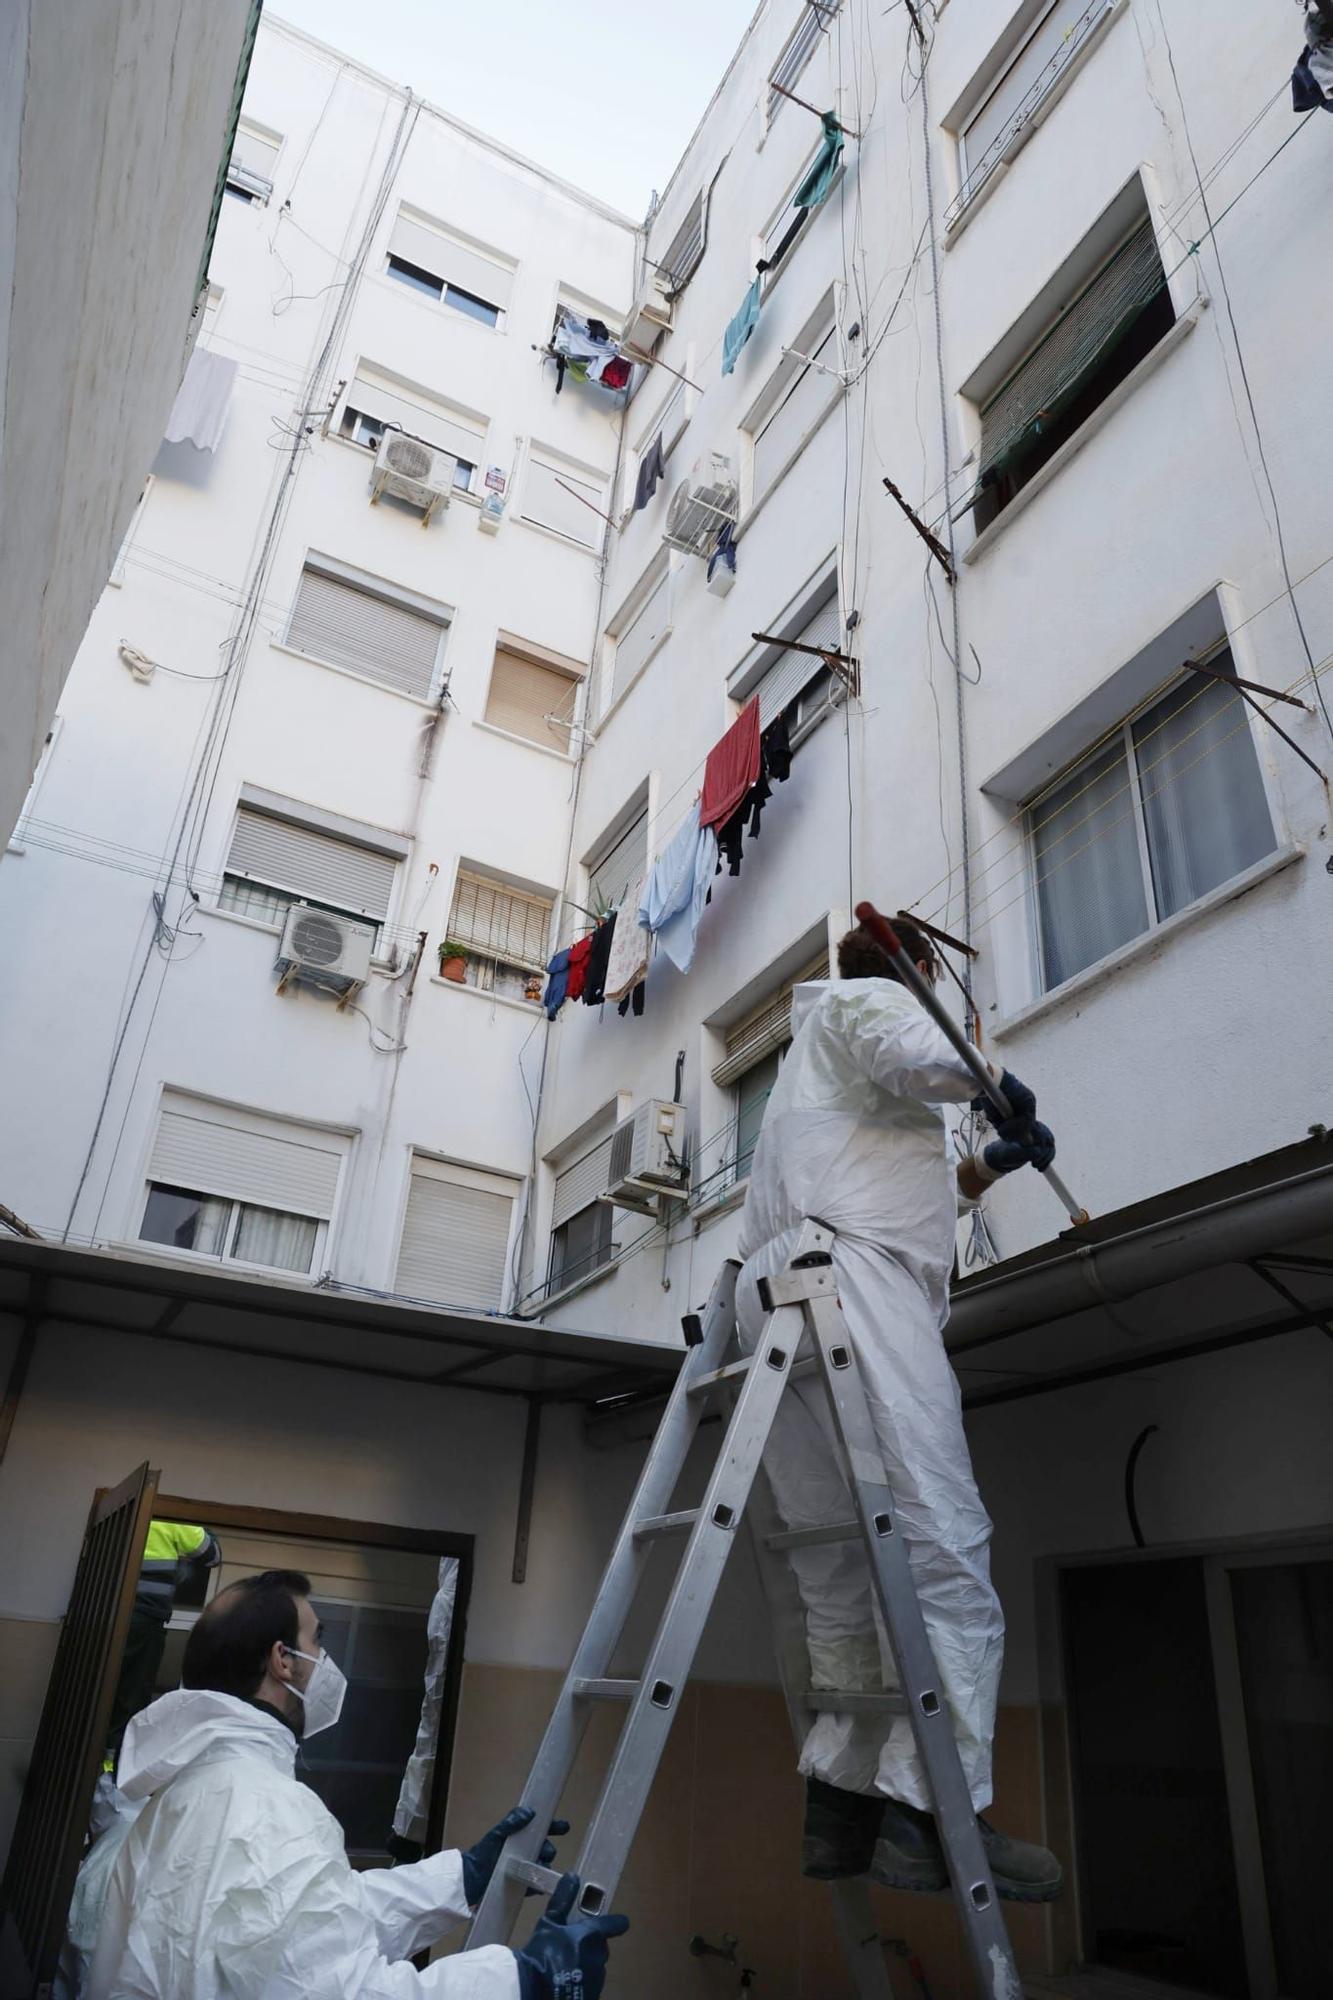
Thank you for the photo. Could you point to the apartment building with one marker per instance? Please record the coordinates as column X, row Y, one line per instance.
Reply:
column 1049, row 277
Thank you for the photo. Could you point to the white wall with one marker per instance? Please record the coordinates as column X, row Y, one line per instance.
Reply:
column 115, row 118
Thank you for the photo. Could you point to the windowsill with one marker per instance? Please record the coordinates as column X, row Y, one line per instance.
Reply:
column 1106, row 968
column 524, row 742
column 572, row 1290
column 751, row 515
column 525, row 1007
column 554, row 535
column 362, row 680
column 632, row 682
column 1040, row 113
column 368, row 452
column 381, row 966
column 1055, row 465
column 140, row 1246
column 721, row 1204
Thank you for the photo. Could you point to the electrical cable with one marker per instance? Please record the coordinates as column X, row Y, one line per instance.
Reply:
column 1131, row 1468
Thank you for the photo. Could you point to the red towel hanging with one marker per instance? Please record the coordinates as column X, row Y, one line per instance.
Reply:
column 732, row 767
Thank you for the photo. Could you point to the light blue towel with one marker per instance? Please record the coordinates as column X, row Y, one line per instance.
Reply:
column 740, row 329
column 677, row 889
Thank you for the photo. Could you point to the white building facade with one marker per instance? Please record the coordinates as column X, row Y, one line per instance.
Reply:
column 1056, row 292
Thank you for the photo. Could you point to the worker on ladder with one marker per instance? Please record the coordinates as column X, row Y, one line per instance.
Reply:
column 853, row 1136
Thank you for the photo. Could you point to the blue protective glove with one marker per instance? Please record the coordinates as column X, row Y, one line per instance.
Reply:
column 565, row 1958
column 1022, row 1105
column 1033, row 1147
column 479, row 1862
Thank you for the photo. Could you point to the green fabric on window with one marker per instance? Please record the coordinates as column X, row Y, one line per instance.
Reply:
column 814, row 189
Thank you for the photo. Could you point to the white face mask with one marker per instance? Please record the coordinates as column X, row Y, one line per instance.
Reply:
column 322, row 1695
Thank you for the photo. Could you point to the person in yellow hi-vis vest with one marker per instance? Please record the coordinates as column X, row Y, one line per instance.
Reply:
column 172, row 1551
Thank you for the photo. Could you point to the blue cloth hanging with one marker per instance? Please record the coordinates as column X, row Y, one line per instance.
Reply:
column 814, row 189
column 741, row 327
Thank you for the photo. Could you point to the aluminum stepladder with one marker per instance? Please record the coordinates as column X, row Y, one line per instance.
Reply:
column 803, row 1332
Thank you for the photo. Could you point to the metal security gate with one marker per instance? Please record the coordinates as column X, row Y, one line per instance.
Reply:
column 71, row 1739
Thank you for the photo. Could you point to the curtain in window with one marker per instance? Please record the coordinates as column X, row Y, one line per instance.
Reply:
column 1203, row 795
column 1089, row 878
column 283, row 1242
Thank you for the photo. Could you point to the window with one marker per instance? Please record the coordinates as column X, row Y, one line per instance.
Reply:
column 530, row 696
column 567, row 499
column 1058, row 32
column 278, row 857
column 1170, row 808
column 236, row 1187
column 506, row 933
column 789, row 223
column 1116, row 317
column 618, row 861
column 800, row 397
column 792, row 683
column 376, row 403
column 815, row 18
column 669, row 422
column 755, row 1048
column 461, row 274
column 253, row 158
column 581, row 1225
column 684, row 253
column 641, row 625
column 455, row 1242
column 349, row 619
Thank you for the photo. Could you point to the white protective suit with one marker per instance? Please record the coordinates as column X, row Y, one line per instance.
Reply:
column 233, row 1882
column 852, row 1135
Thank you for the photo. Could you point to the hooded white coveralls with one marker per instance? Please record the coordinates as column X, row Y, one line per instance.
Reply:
column 233, row 1882
column 852, row 1134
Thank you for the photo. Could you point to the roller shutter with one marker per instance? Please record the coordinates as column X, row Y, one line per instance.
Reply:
column 287, row 855
column 455, row 1238
column 208, row 1156
column 352, row 627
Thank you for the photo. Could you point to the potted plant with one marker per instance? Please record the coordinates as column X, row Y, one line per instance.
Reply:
column 453, row 961
column 533, row 985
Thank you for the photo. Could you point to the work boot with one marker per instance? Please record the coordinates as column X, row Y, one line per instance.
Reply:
column 908, row 1855
column 1023, row 1872
column 840, row 1830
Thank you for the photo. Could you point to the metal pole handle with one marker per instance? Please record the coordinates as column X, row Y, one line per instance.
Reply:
column 883, row 933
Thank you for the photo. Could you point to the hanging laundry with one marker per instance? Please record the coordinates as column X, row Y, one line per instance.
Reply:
column 586, row 349
column 732, row 767
column 1312, row 78
column 634, row 1000
column 199, row 413
column 814, row 189
column 741, row 327
column 557, row 985
column 594, row 978
column 724, row 550
column 629, row 947
column 677, row 889
column 652, row 469
column 775, row 767
column 578, row 967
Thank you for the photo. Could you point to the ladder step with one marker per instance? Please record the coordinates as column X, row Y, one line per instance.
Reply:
column 735, row 1371
column 533, row 1874
column 595, row 1690
column 807, row 1538
column 666, row 1524
column 854, row 1701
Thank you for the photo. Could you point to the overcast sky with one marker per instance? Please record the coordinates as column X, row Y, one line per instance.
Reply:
column 605, row 96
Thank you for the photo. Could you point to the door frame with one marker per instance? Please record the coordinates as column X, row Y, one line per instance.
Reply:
column 1217, row 1555
column 370, row 1534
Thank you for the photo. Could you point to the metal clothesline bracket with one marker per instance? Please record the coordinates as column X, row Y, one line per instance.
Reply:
column 834, row 374
column 844, row 665
column 1247, row 691
column 932, row 541
column 814, row 109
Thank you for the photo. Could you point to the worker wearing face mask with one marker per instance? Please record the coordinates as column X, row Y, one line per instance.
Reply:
column 854, row 1135
column 233, row 1883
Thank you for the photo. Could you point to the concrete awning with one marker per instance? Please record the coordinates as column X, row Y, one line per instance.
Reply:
column 112, row 1291
column 1239, row 1256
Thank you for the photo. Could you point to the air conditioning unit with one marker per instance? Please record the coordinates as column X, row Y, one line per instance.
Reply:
column 648, row 1157
column 325, row 950
column 651, row 315
column 413, row 471
column 702, row 504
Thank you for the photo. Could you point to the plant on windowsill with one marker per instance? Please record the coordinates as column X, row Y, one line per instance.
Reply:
column 533, row 985
column 453, row 961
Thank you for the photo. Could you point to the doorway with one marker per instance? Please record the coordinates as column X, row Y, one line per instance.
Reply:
column 1200, row 1737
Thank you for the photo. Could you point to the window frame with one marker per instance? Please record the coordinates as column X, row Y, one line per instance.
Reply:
column 573, row 672
column 489, row 964
column 457, row 1173
column 548, row 459
column 784, row 383
column 424, row 278
column 403, row 597
column 429, row 284
column 253, row 196
column 809, row 28
column 313, row 819
column 657, row 576
column 1122, row 736
column 226, row 1258
column 633, row 815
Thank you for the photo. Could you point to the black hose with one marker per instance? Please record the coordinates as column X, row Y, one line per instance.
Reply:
column 1131, row 1467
